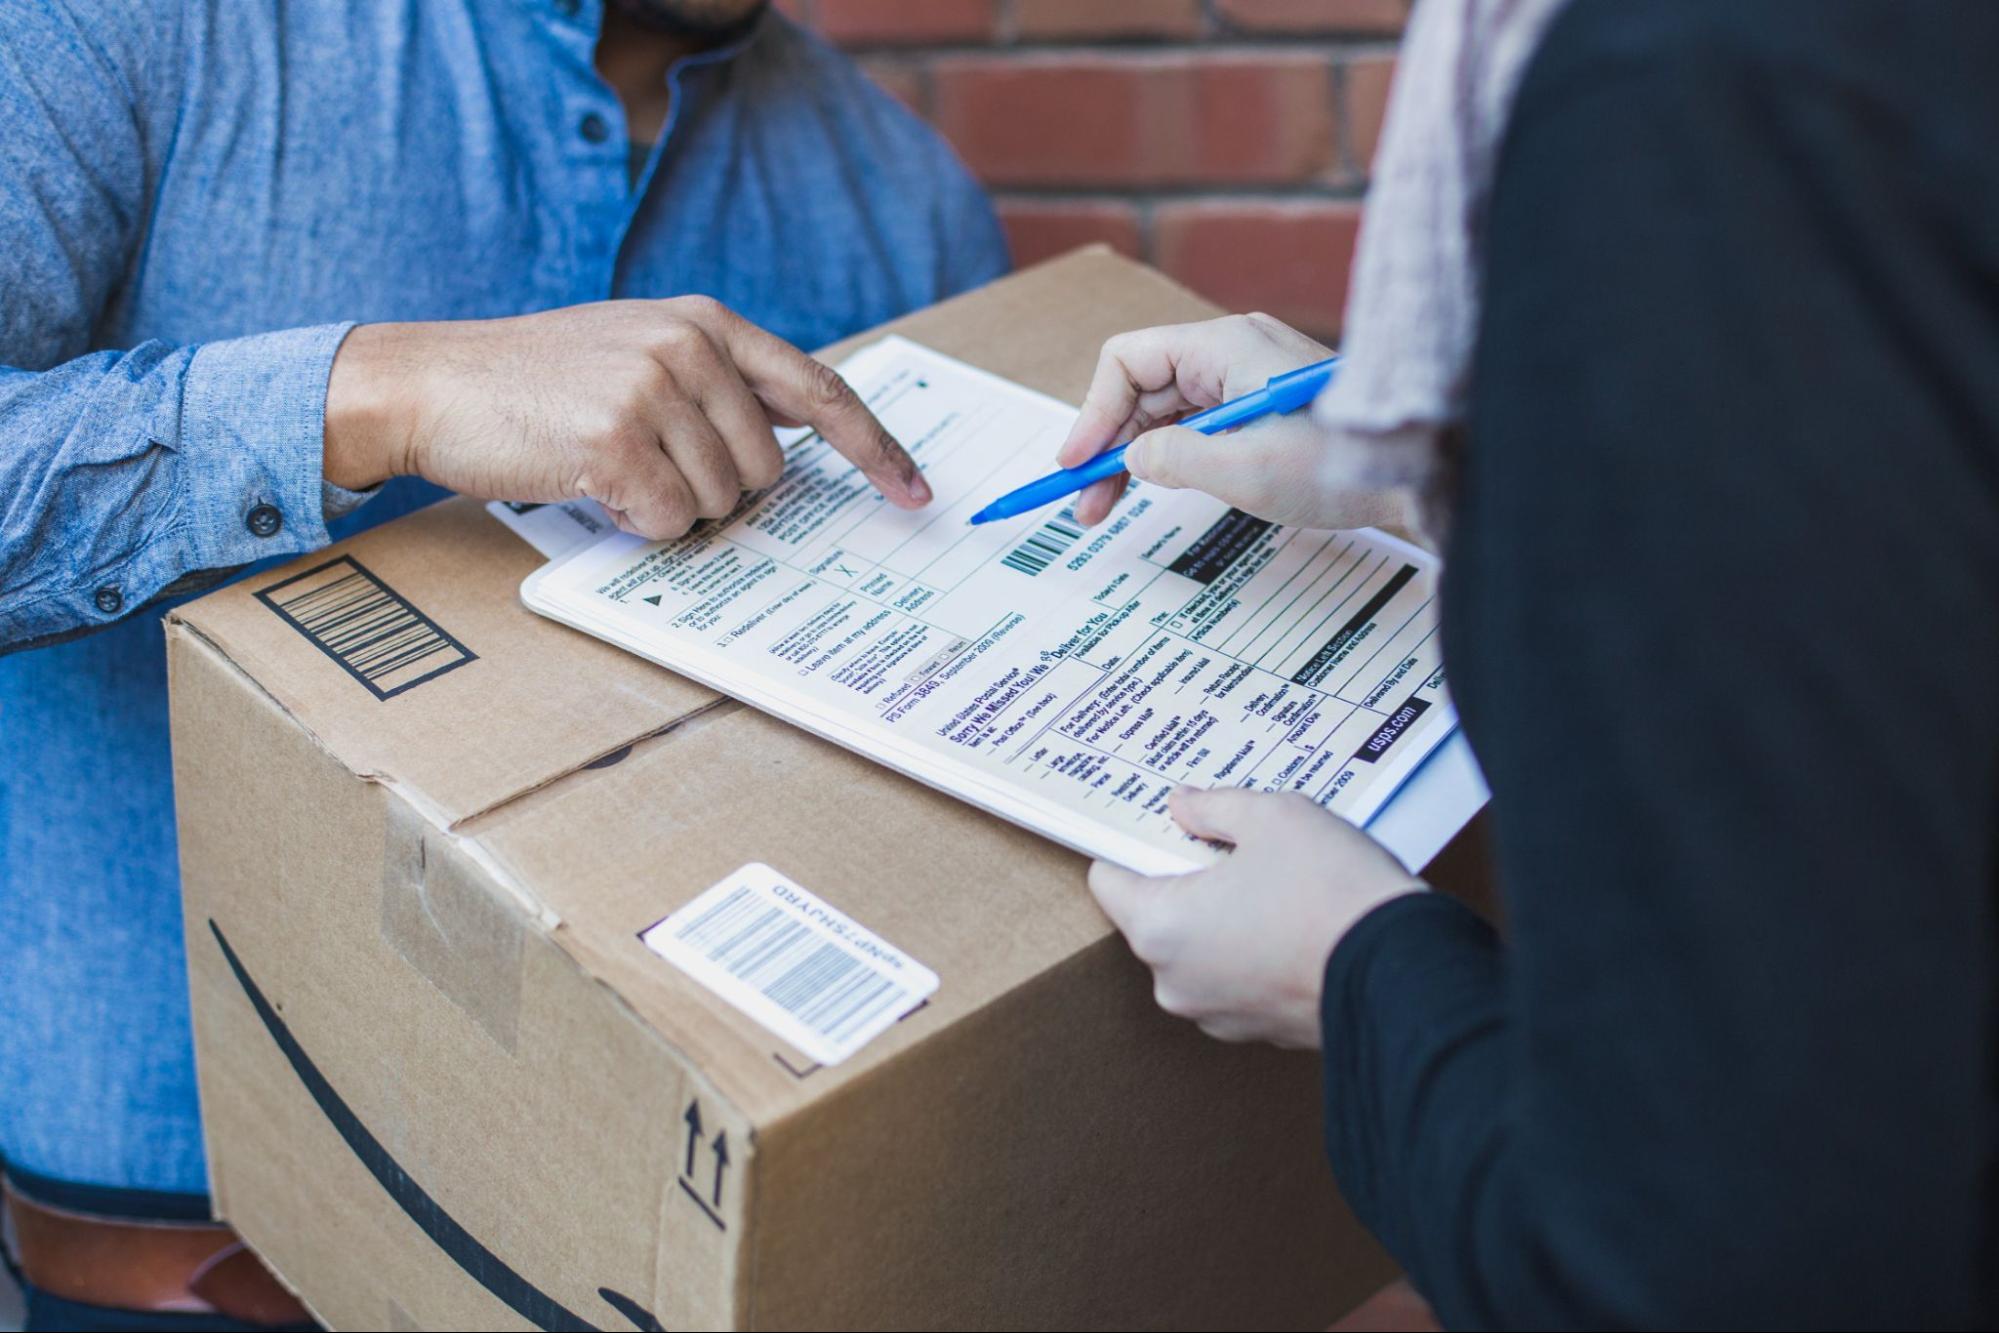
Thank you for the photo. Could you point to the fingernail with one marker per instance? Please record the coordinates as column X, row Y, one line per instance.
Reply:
column 919, row 489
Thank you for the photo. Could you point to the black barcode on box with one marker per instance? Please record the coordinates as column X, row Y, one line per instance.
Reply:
column 1047, row 544
column 366, row 626
column 792, row 965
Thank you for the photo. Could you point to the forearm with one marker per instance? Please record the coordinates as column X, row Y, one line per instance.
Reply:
column 1413, row 1025
column 130, row 473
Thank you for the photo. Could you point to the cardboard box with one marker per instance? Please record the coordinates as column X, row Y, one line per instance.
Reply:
column 446, row 1085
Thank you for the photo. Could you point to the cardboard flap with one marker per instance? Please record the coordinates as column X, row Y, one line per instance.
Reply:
column 407, row 654
column 985, row 905
column 1089, row 294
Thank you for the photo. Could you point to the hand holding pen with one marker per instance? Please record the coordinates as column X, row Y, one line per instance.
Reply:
column 1151, row 376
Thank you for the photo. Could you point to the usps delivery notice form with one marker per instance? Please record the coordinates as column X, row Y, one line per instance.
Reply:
column 1063, row 678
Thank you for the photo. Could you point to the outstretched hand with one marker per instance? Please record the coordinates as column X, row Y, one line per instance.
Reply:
column 1273, row 468
column 660, row 410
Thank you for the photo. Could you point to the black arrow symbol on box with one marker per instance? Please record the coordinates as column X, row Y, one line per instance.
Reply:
column 721, row 1163
column 642, row 1319
column 693, row 1119
column 652, row 600
column 482, row 1265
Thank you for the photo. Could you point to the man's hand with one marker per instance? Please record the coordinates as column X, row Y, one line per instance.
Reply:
column 660, row 410
column 1241, row 947
column 1271, row 468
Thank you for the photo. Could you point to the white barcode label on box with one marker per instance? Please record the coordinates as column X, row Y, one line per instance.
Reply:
column 805, row 970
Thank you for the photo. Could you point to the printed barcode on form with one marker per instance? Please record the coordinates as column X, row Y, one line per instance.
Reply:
column 360, row 622
column 1047, row 544
column 801, row 968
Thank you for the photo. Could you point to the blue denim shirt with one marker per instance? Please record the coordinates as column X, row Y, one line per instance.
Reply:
column 197, row 200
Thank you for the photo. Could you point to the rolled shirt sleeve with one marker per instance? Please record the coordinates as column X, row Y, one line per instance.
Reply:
column 253, row 420
column 128, row 473
column 125, row 472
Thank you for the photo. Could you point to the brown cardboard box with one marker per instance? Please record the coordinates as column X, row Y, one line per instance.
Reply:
column 446, row 1086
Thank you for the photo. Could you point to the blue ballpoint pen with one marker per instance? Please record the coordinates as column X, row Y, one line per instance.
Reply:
column 1283, row 393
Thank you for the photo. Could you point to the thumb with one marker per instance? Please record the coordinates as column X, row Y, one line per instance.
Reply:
column 1174, row 457
column 1266, row 468
column 1219, row 814
column 1123, row 894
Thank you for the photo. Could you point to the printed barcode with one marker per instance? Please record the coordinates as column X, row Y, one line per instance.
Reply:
column 367, row 627
column 1047, row 544
column 793, row 962
column 817, row 982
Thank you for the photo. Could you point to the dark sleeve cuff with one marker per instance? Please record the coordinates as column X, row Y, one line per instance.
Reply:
column 1409, row 1014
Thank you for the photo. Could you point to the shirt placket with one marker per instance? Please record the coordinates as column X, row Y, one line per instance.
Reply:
column 687, row 83
column 586, row 228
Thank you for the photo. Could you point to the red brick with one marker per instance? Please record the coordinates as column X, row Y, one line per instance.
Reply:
column 1139, row 120
column 1038, row 229
column 901, row 79
column 905, row 22
column 1287, row 258
column 1366, row 83
column 1059, row 20
column 1293, row 16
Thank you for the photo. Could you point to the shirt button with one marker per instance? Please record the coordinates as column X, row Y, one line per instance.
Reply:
column 594, row 128
column 264, row 521
column 109, row 600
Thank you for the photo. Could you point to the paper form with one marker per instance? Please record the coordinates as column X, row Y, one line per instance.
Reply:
column 1061, row 677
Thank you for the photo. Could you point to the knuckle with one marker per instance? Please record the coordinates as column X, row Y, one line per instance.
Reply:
column 681, row 339
column 763, row 470
column 717, row 503
column 621, row 434
column 701, row 307
column 825, row 389
column 707, row 477
column 674, row 515
column 647, row 382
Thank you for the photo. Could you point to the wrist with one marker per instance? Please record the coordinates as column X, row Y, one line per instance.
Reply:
column 367, row 438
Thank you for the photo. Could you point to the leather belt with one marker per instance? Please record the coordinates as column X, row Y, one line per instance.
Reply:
column 187, row 1267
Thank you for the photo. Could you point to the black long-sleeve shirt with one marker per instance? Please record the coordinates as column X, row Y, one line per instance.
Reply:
column 1723, row 620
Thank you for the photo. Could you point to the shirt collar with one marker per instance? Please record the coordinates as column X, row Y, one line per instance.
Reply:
column 714, row 55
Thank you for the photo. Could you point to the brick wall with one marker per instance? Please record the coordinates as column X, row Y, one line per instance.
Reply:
column 1226, row 141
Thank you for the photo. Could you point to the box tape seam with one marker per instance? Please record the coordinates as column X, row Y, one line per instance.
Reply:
column 440, row 915
column 432, row 811
column 463, row 824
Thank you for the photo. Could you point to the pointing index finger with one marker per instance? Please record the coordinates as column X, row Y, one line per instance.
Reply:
column 795, row 385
